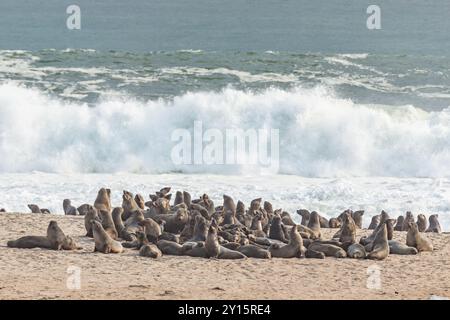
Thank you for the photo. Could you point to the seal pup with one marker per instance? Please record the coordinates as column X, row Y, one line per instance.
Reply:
column 69, row 209
column 329, row 250
column 374, row 222
column 356, row 251
column 195, row 249
column 421, row 222
column 90, row 214
column 294, row 249
column 357, row 217
column 435, row 226
column 108, row 224
column 103, row 200
column 253, row 251
column 417, row 240
column 408, row 218
column 380, row 246
column 150, row 251
column 396, row 247
column 314, row 224
column 141, row 240
column 305, row 214
column 399, row 224
column 170, row 247
column 215, row 250
column 103, row 242
column 311, row 254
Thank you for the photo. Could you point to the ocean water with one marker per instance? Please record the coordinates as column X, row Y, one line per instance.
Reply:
column 363, row 116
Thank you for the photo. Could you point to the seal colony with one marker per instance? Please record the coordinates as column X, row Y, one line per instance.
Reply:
column 199, row 228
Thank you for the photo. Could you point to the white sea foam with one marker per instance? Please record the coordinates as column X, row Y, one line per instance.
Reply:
column 320, row 134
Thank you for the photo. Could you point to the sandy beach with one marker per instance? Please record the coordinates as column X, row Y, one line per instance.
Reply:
column 43, row 274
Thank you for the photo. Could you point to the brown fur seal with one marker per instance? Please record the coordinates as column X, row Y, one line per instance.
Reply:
column 314, row 224
column 200, row 231
column 152, row 229
column 170, row 237
column 305, row 214
column 253, row 251
column 277, row 230
column 117, row 219
column 90, row 214
column 408, row 218
column 69, row 209
column 356, row 251
column 348, row 229
column 294, row 249
column 287, row 219
column 83, row 209
column 374, row 222
column 396, row 247
column 141, row 240
column 129, row 205
column 256, row 227
column 334, row 223
column 195, row 249
column 435, row 226
column 103, row 242
column 329, row 250
column 108, row 224
column 187, row 198
column 35, row 209
column 151, row 251
column 390, row 228
column 417, row 240
column 240, row 208
column 179, row 198
column 366, row 240
column 399, row 224
column 311, row 254
column 103, row 200
column 175, row 222
column 421, row 223
column 170, row 248
column 29, row 242
column 379, row 246
column 357, row 217
column 215, row 250
column 139, row 199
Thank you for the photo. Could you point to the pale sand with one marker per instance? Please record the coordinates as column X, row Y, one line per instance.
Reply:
column 42, row 274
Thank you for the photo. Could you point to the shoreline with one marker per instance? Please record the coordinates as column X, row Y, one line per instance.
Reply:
column 43, row 274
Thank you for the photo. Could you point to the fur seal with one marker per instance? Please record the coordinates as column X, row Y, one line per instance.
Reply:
column 240, row 208
column 200, row 231
column 277, row 230
column 374, row 222
column 90, row 214
column 215, row 250
column 187, row 198
column 179, row 198
column 103, row 200
column 396, row 247
column 256, row 226
column 253, row 251
column 83, row 209
column 141, row 240
column 379, row 247
column 195, row 249
column 435, row 226
column 108, row 224
column 348, row 229
column 421, row 222
column 152, row 229
column 329, row 250
column 175, row 222
column 294, row 249
column 356, row 251
column 170, row 248
column 151, row 251
column 408, row 218
column 305, row 214
column 366, row 240
column 314, row 224
column 103, row 242
column 69, row 209
column 417, row 240
column 357, row 217
column 129, row 205
column 139, row 199
column 287, row 219
column 29, row 242
column 399, row 224
column 314, row 254
column 117, row 219
column 35, row 209
column 334, row 223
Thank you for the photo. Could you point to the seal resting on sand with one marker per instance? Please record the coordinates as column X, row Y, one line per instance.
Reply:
column 417, row 240
column 328, row 250
column 396, row 247
column 356, row 251
column 151, row 251
column 314, row 224
column 348, row 229
column 69, row 209
column 170, row 247
column 103, row 242
column 435, row 226
column 294, row 249
column 253, row 251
